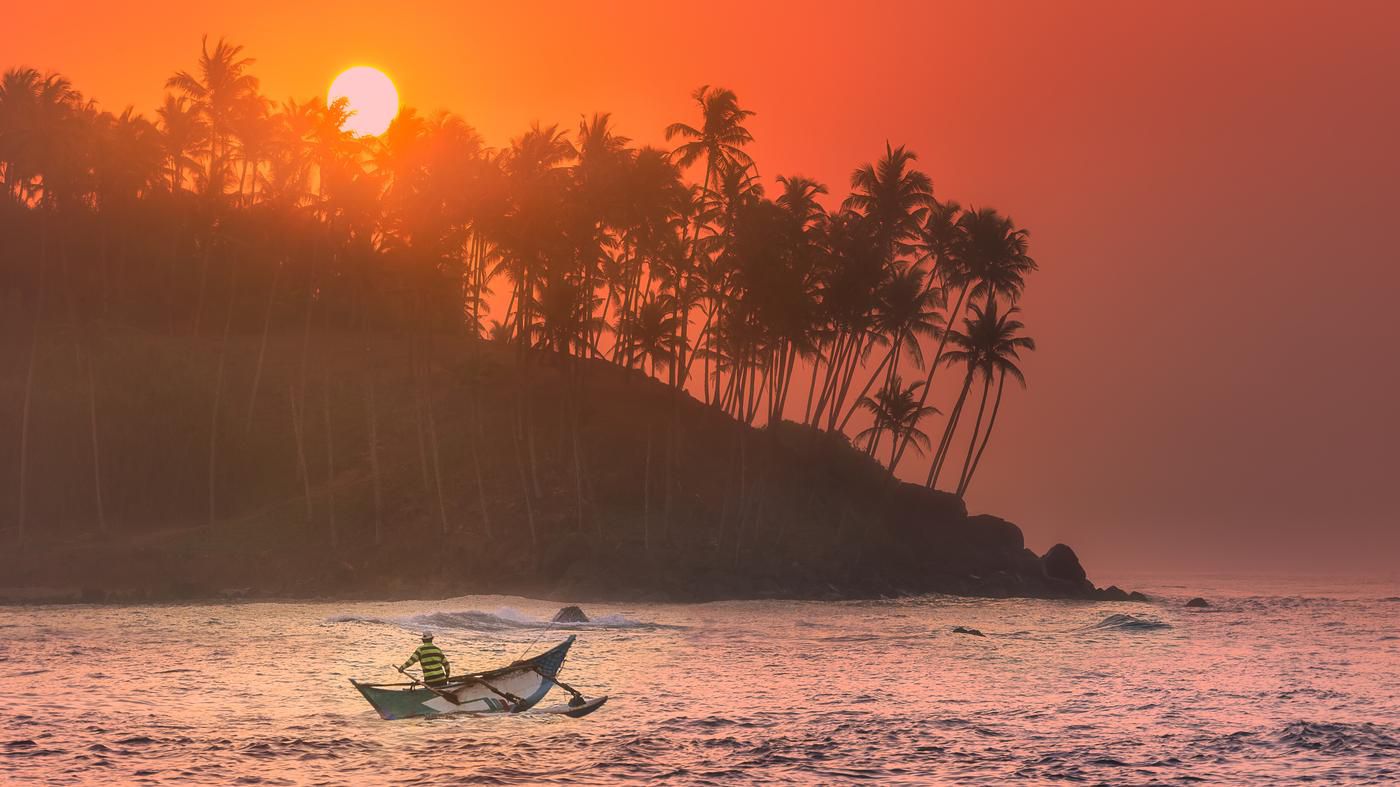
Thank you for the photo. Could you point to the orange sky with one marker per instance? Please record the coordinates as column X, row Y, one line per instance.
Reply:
column 1210, row 190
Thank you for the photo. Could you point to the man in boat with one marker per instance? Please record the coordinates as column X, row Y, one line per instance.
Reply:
column 432, row 660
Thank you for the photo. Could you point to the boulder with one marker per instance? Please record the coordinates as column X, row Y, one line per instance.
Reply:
column 996, row 534
column 570, row 614
column 1059, row 562
column 1136, row 596
column 965, row 630
column 1112, row 593
column 1198, row 602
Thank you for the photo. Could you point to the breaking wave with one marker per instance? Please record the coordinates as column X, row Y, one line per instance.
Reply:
column 1124, row 622
column 503, row 619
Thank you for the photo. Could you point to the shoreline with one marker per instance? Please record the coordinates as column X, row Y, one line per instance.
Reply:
column 90, row 596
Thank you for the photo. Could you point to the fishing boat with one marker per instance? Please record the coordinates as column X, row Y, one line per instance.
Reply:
column 516, row 688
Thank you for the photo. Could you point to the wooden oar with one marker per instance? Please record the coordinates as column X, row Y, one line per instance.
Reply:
column 447, row 695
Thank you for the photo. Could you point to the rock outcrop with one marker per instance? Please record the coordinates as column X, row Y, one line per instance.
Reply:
column 570, row 614
column 1061, row 564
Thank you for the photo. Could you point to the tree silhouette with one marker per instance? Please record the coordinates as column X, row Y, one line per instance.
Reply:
column 897, row 413
column 571, row 245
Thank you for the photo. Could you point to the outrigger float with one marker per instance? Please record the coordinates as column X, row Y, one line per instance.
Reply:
column 513, row 689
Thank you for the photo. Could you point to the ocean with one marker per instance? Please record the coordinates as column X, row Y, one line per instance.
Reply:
column 1279, row 680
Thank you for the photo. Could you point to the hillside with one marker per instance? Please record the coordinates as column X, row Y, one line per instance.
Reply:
column 490, row 472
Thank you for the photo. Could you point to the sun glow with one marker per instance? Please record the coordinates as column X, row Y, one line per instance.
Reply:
column 372, row 98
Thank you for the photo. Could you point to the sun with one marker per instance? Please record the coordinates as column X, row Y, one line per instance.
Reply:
column 372, row 97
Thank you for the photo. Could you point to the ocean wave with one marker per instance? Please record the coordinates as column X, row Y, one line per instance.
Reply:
column 1124, row 622
column 503, row 619
column 1365, row 738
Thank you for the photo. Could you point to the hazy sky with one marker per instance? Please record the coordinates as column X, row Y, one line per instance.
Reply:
column 1211, row 191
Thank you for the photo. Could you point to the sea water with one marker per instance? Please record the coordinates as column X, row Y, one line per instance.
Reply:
column 1278, row 680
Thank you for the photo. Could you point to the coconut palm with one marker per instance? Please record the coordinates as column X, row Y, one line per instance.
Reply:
column 607, row 251
column 895, row 412
column 1001, row 350
column 219, row 89
column 721, row 137
column 183, row 135
column 908, row 312
column 894, row 196
column 984, row 254
column 987, row 344
column 720, row 140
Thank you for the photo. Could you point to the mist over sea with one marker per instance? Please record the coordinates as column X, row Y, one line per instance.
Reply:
column 1279, row 680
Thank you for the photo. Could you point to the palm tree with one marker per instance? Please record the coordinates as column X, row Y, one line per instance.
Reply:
column 987, row 344
column 252, row 127
column 894, row 196
column 984, row 255
column 1001, row 350
column 895, row 412
column 720, row 139
column 40, row 138
column 220, row 88
column 183, row 135
column 908, row 311
column 799, row 198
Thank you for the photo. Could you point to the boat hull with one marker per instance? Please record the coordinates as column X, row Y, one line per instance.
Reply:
column 530, row 680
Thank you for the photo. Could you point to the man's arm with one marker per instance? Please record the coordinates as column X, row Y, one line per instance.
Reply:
column 411, row 661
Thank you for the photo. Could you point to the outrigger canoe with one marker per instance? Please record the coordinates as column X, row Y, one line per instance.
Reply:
column 513, row 689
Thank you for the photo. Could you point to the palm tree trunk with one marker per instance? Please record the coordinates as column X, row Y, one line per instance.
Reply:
column 96, row 443
column 646, row 493
column 937, row 465
column 29, row 384
column 474, row 450
column 812, row 384
column 218, row 398
column 986, row 438
column 787, row 384
column 976, row 429
column 525, row 488
column 299, row 433
column 833, row 375
column 418, row 419
column 578, row 464
column 372, row 428
column 681, row 369
column 848, row 374
column 262, row 348
column 330, row 461
column 203, row 283
column 933, row 367
column 894, row 348
column 433, row 452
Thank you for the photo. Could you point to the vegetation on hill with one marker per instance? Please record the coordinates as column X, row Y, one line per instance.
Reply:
column 421, row 482
column 241, row 321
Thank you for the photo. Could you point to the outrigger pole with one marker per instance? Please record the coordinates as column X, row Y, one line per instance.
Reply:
column 578, row 698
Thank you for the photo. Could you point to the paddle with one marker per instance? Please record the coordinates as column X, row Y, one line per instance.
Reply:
column 447, row 695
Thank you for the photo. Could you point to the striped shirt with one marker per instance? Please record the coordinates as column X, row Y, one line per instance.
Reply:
column 433, row 661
